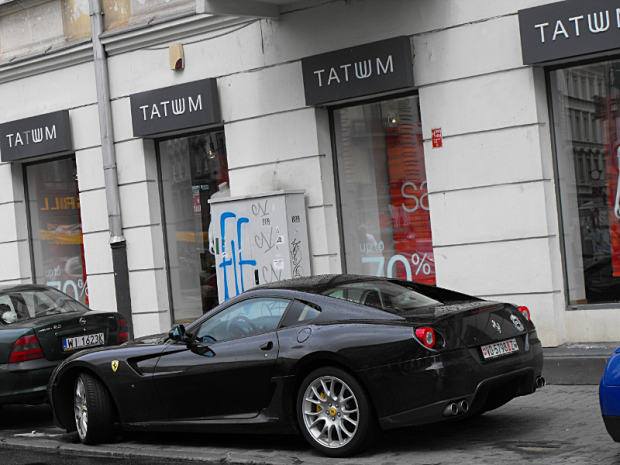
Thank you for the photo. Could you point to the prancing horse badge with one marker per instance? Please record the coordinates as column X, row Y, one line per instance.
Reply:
column 114, row 365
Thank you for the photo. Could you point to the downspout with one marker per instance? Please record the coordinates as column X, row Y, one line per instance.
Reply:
column 117, row 240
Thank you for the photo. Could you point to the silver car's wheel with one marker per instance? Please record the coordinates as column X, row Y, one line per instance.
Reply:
column 93, row 410
column 80, row 408
column 336, row 415
column 330, row 412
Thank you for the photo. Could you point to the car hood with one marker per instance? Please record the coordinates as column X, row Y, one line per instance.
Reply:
column 152, row 339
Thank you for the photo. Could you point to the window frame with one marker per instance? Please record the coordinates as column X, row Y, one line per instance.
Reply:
column 556, row 175
column 160, row 189
column 332, row 131
column 24, row 167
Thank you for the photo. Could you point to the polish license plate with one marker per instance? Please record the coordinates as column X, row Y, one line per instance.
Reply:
column 499, row 348
column 80, row 342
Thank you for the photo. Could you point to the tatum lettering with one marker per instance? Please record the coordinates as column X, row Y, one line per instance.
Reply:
column 32, row 135
column 363, row 69
column 177, row 106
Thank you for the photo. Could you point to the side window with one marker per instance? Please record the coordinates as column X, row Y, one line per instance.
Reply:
column 13, row 308
column 352, row 295
column 7, row 312
column 301, row 313
column 247, row 318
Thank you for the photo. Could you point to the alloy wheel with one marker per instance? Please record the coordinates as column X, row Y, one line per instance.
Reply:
column 80, row 408
column 330, row 412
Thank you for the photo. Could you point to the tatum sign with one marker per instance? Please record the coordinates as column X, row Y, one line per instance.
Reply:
column 568, row 29
column 358, row 71
column 173, row 108
column 40, row 135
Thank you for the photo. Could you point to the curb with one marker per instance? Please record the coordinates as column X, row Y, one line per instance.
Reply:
column 110, row 451
column 577, row 364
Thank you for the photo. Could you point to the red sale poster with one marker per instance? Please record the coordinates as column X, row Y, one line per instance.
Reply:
column 410, row 210
column 612, row 147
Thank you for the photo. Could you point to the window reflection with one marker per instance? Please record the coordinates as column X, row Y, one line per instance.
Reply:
column 192, row 169
column 56, row 226
column 587, row 133
column 383, row 192
column 248, row 318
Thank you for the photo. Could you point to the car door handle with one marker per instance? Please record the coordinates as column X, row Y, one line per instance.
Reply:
column 266, row 346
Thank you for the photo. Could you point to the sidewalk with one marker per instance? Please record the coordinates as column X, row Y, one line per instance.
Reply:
column 577, row 363
column 558, row 424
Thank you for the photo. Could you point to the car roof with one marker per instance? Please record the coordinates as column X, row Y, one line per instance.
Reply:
column 22, row 287
column 320, row 283
column 325, row 284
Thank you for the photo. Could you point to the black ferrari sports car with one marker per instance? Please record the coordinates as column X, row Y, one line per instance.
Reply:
column 335, row 357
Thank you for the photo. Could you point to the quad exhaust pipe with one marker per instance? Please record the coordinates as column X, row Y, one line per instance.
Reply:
column 463, row 406
column 540, row 382
column 455, row 408
column 450, row 410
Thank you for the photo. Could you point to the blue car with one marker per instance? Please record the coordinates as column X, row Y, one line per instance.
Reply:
column 609, row 396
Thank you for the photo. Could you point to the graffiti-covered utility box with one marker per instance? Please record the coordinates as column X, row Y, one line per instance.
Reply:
column 258, row 239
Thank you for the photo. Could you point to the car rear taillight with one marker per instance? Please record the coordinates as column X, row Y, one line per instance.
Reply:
column 426, row 336
column 123, row 333
column 26, row 348
column 525, row 312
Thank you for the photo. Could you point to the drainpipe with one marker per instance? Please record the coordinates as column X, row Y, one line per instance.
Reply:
column 117, row 240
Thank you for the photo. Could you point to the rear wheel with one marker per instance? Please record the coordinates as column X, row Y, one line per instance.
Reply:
column 335, row 413
column 93, row 410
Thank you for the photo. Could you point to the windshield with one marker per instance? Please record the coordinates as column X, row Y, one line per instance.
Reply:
column 16, row 306
column 381, row 294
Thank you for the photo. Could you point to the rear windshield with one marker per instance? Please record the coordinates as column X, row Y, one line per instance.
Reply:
column 17, row 306
column 384, row 295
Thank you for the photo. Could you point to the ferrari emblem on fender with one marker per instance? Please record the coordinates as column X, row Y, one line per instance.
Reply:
column 114, row 365
column 496, row 326
column 517, row 323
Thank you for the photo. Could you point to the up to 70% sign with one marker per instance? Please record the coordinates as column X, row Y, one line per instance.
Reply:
column 79, row 290
column 416, row 260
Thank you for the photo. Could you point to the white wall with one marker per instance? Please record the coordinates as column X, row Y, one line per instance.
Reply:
column 492, row 192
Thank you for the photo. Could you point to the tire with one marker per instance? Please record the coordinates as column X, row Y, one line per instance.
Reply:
column 93, row 410
column 331, row 426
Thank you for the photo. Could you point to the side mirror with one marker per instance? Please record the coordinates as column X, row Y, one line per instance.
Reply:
column 178, row 334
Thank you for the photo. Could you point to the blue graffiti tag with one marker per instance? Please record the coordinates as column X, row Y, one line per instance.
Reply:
column 233, row 260
column 242, row 262
column 226, row 263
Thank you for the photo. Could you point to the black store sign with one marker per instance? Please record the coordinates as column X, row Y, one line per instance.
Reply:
column 32, row 137
column 568, row 29
column 358, row 71
column 173, row 108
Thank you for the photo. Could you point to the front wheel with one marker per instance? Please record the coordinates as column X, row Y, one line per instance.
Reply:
column 335, row 413
column 93, row 410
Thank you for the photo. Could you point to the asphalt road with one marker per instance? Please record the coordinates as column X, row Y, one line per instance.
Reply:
column 559, row 424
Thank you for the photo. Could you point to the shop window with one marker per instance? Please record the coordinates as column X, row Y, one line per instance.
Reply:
column 383, row 193
column 56, row 227
column 192, row 170
column 588, row 183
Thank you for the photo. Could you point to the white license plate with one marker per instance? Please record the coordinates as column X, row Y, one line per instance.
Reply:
column 73, row 343
column 499, row 348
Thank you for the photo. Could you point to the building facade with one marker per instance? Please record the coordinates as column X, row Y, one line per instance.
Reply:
column 431, row 147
